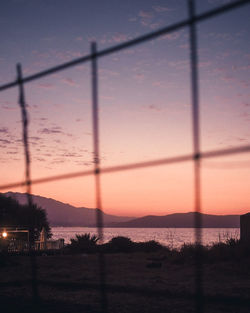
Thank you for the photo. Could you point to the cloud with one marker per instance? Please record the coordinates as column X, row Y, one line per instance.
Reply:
column 159, row 83
column 5, row 141
column 244, row 83
column 5, row 107
column 4, row 130
column 119, row 37
column 46, row 86
column 57, row 161
column 227, row 78
column 145, row 14
column 35, row 138
column 145, row 17
column 81, row 68
column 42, row 119
column 171, row 36
column 108, row 72
column 9, row 106
column 40, row 159
column 81, row 163
column 115, row 38
column 245, row 116
column 12, row 152
column 180, row 65
column 52, row 130
column 161, row 9
column 67, row 55
column 203, row 64
column 80, row 38
column 164, row 84
column 241, row 68
column 69, row 82
column 52, row 55
column 71, row 155
column 155, row 25
column 139, row 77
column 153, row 107
column 241, row 139
column 220, row 36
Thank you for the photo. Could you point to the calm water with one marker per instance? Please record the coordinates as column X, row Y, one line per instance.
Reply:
column 173, row 237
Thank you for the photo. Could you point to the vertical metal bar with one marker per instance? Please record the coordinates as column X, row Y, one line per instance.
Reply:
column 25, row 123
column 99, row 214
column 196, row 147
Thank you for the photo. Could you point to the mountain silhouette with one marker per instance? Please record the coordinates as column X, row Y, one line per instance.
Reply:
column 62, row 214
column 182, row 220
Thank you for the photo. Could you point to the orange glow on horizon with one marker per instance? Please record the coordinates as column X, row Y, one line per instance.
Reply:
column 157, row 191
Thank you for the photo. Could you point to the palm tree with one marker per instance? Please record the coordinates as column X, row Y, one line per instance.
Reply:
column 83, row 243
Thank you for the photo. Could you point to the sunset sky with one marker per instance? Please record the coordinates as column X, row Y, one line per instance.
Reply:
column 144, row 98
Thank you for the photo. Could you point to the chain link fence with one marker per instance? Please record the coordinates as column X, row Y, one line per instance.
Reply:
column 195, row 157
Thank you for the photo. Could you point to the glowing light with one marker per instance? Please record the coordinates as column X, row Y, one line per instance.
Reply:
column 4, row 234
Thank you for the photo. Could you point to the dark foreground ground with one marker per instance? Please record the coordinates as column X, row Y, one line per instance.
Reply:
column 70, row 283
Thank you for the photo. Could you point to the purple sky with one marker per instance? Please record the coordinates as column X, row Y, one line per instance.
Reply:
column 144, row 93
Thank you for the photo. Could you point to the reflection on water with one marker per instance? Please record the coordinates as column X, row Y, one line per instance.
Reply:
column 172, row 237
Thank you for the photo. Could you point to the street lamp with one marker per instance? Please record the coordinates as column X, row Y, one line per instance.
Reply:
column 4, row 234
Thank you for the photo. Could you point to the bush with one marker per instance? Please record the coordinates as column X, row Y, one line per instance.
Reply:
column 190, row 252
column 125, row 244
column 120, row 244
column 148, row 246
column 232, row 249
column 83, row 243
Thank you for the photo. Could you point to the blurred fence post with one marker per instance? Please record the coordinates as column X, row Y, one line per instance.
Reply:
column 245, row 228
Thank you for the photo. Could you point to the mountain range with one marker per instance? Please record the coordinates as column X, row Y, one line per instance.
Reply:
column 62, row 214
column 182, row 220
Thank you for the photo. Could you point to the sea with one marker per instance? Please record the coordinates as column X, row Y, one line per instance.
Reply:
column 171, row 237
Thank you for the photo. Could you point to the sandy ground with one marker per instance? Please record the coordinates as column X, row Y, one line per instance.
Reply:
column 71, row 284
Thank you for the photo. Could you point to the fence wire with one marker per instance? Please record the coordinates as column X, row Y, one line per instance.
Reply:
column 196, row 156
column 196, row 151
column 99, row 212
column 25, row 123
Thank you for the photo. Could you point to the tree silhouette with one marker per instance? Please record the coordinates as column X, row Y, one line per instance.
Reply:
column 83, row 243
column 13, row 214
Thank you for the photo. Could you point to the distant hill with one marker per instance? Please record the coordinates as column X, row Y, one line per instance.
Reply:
column 62, row 214
column 182, row 220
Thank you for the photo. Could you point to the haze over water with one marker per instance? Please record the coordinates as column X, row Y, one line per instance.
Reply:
column 172, row 237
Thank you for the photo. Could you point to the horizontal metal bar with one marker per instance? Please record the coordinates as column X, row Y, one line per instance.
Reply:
column 134, row 166
column 141, row 39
